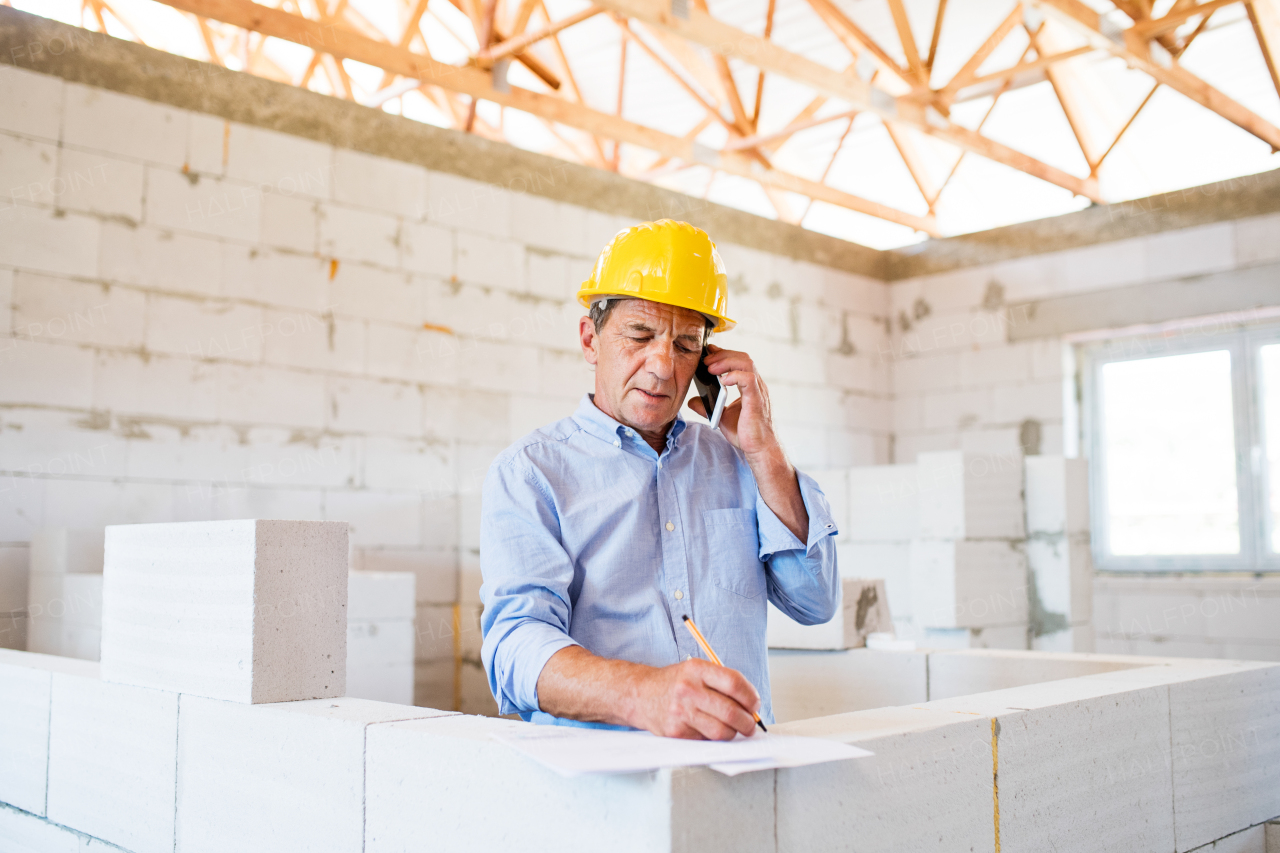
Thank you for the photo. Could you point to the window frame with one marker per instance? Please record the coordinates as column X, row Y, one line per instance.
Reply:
column 1244, row 343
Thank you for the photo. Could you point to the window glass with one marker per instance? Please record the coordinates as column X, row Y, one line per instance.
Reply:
column 1169, row 455
column 1269, row 393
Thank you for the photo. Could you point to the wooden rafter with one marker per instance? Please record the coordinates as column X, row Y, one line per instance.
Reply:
column 903, row 25
column 567, row 70
column 762, row 139
column 967, row 71
column 477, row 83
column 1176, row 17
column 827, row 171
column 915, row 165
column 937, row 33
column 726, row 41
column 1264, row 15
column 857, row 41
column 768, row 31
column 1066, row 88
column 1137, row 52
column 519, row 43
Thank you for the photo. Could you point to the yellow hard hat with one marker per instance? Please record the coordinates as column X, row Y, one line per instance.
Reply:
column 665, row 261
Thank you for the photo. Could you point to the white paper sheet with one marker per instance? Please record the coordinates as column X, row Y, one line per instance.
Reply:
column 572, row 751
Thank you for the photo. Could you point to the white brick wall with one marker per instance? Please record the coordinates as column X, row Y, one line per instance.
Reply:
column 250, row 340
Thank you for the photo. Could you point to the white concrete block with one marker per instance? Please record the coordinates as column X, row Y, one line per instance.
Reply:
column 486, row 261
column 1251, row 840
column 1190, row 251
column 408, row 799
column 56, row 310
column 1062, row 570
column 21, row 832
column 927, row 788
column 968, row 584
column 14, row 568
column 62, row 550
column 378, row 518
column 261, row 395
column 387, row 682
column 883, row 503
column 200, row 329
column 290, row 222
column 809, row 684
column 863, row 608
column 280, row 162
column 25, row 100
column 157, row 385
column 999, row 637
column 207, row 138
column 427, row 249
column 541, row 222
column 435, row 569
column 28, row 172
column 469, row 205
column 834, row 483
column 113, row 762
column 159, row 259
column 970, row 496
column 292, row 774
column 963, row 673
column 1057, row 494
column 1075, row 638
column 24, row 733
column 390, row 186
column 378, row 595
column 1273, row 836
column 130, row 127
column 45, row 241
column 373, row 294
column 251, row 611
column 1258, row 239
column 351, row 234
column 1226, row 753
column 203, row 205
column 1120, row 779
column 93, row 183
column 888, row 560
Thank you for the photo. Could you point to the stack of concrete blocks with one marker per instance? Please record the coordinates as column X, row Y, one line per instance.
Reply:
column 968, row 567
column 13, row 597
column 64, row 592
column 1059, row 554
column 863, row 607
column 380, row 636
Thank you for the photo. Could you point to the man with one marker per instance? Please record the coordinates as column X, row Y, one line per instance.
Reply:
column 600, row 531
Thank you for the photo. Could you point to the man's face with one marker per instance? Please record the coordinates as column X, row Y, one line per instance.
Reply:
column 645, row 357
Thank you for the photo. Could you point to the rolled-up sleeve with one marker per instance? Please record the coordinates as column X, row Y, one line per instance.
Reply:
column 804, row 581
column 527, row 575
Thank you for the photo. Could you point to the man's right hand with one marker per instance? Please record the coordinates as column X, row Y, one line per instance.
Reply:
column 695, row 699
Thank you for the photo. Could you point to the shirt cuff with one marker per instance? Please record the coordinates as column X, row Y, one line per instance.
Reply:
column 776, row 537
column 537, row 642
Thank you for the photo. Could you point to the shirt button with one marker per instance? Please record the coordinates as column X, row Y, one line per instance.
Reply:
column 617, row 444
column 670, row 526
column 829, row 526
column 679, row 595
column 688, row 657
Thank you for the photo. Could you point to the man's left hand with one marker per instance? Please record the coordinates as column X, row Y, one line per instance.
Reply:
column 748, row 421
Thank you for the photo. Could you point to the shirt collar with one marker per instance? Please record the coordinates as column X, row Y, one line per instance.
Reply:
column 604, row 427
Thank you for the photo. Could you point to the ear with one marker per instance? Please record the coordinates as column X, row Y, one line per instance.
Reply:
column 589, row 339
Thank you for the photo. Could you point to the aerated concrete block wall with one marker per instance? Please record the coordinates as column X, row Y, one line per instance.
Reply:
column 203, row 319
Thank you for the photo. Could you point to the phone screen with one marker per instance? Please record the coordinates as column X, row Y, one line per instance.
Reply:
column 709, row 390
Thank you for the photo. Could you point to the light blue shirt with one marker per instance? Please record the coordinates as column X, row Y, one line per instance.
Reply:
column 588, row 537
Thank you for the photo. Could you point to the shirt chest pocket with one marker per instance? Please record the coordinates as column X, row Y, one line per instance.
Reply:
column 733, row 551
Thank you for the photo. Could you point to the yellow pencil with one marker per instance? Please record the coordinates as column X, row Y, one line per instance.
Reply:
column 715, row 659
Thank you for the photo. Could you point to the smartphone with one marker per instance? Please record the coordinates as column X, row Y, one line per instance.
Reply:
column 709, row 389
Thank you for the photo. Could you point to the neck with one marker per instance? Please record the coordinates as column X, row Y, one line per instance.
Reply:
column 657, row 439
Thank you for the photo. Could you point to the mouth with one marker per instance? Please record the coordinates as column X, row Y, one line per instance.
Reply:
column 649, row 395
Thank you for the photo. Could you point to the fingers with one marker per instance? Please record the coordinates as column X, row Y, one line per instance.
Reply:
column 712, row 728
column 731, row 684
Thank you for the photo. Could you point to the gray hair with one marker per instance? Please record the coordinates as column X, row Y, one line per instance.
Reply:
column 603, row 307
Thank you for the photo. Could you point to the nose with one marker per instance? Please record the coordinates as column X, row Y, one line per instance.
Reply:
column 660, row 360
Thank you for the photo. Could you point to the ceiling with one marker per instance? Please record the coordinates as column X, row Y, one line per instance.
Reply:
column 882, row 122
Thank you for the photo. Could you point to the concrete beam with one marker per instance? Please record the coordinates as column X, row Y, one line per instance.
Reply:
column 1147, row 303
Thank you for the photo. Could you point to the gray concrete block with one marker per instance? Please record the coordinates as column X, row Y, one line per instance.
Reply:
column 249, row 611
column 927, row 788
column 1226, row 752
column 65, row 550
column 862, row 609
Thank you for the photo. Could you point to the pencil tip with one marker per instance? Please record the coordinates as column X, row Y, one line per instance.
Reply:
column 685, row 618
column 760, row 723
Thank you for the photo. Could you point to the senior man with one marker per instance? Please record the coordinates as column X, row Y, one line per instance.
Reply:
column 601, row 531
